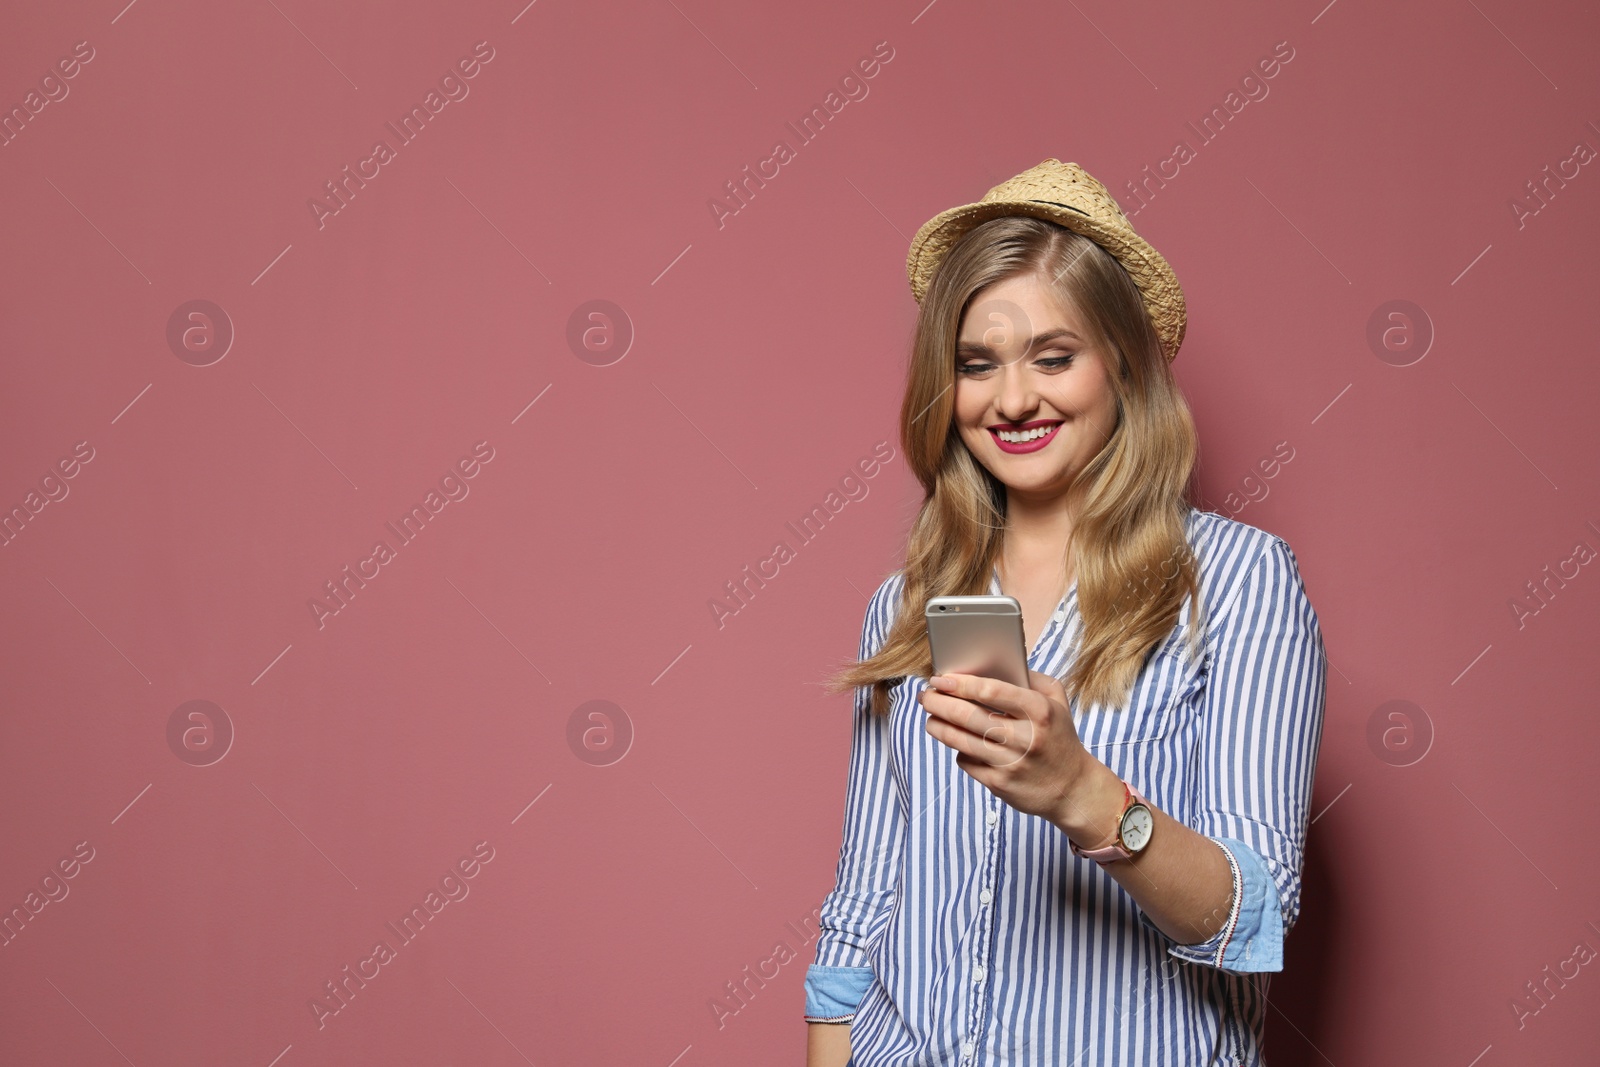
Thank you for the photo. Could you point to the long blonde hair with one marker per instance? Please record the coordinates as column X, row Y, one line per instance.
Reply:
column 1134, row 566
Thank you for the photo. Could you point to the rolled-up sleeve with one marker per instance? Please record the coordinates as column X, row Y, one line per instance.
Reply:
column 1259, row 736
column 866, row 878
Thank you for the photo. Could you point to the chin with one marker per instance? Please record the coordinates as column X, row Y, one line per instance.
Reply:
column 1030, row 485
column 1037, row 481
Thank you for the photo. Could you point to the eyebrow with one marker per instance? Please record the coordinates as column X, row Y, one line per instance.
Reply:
column 974, row 348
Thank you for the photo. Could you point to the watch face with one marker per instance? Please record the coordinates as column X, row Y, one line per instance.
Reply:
column 1137, row 822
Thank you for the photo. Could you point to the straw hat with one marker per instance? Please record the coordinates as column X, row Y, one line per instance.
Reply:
column 1065, row 194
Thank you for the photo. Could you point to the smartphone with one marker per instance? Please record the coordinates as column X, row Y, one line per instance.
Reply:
column 979, row 635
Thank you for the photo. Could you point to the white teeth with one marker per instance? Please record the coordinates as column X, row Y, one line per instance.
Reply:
column 1018, row 438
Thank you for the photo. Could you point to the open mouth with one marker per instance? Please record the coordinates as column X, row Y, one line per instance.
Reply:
column 1029, row 437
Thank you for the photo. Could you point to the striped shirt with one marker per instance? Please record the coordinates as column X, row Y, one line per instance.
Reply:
column 963, row 932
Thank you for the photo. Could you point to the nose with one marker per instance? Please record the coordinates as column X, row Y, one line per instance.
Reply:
column 1017, row 398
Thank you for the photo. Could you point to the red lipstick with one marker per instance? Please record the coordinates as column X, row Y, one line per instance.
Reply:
column 1016, row 447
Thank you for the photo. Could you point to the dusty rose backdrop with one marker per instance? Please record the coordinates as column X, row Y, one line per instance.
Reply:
column 580, row 347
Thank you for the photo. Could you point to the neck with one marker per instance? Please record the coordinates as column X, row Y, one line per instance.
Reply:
column 1038, row 530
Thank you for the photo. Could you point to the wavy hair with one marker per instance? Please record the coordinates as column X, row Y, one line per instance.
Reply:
column 1134, row 565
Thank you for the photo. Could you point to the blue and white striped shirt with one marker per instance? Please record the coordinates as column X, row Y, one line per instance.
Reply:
column 963, row 932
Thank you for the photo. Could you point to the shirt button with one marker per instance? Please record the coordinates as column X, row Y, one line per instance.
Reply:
column 993, row 817
column 977, row 979
column 966, row 1048
column 985, row 896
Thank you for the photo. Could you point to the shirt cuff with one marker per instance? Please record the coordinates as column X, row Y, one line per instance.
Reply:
column 832, row 993
column 1251, row 938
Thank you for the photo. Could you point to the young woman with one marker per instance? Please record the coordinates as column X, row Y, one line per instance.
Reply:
column 1098, row 869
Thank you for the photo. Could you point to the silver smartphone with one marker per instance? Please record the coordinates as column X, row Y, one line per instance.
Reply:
column 979, row 635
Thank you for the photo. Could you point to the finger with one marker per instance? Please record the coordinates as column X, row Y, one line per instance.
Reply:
column 1057, row 714
column 976, row 769
column 998, row 739
column 991, row 692
column 958, row 712
column 1048, row 684
column 996, row 746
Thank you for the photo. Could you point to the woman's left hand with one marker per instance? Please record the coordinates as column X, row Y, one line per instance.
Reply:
column 1020, row 744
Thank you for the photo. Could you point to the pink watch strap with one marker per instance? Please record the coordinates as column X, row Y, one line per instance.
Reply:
column 1113, row 851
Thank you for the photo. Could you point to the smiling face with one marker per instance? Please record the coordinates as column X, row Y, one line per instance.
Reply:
column 1033, row 398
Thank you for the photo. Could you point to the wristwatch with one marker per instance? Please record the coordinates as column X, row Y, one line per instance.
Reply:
column 1133, row 830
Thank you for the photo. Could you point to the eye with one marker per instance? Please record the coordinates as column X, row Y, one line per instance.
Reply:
column 976, row 368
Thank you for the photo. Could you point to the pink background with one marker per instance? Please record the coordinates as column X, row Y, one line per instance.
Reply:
column 434, row 711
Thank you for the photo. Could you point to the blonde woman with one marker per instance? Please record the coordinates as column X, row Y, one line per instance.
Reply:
column 1099, row 869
